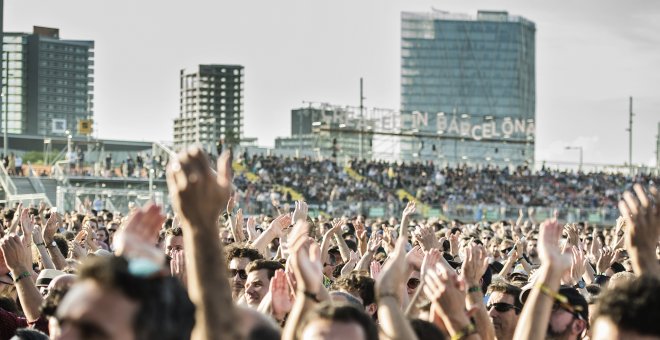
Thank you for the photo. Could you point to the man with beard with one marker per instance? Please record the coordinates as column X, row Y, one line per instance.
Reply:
column 504, row 308
column 237, row 259
column 553, row 311
column 259, row 273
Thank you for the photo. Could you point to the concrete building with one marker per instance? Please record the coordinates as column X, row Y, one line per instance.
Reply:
column 328, row 131
column 47, row 82
column 468, row 87
column 211, row 106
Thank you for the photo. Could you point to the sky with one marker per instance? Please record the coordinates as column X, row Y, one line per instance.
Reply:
column 591, row 56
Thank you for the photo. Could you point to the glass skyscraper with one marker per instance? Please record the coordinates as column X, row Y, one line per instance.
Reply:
column 468, row 88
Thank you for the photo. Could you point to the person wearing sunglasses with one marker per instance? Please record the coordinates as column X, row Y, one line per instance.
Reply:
column 504, row 309
column 237, row 259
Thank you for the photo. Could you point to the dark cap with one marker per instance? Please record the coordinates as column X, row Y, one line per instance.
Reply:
column 574, row 299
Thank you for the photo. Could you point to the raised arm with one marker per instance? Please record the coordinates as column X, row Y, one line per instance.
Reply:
column 198, row 197
column 533, row 322
column 473, row 270
column 643, row 221
column 274, row 230
column 308, row 271
column 48, row 235
column 393, row 322
column 38, row 239
column 17, row 257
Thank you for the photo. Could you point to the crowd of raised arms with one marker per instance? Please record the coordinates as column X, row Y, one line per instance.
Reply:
column 207, row 271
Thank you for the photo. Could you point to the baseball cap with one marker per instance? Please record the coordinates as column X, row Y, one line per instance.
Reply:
column 574, row 301
column 47, row 275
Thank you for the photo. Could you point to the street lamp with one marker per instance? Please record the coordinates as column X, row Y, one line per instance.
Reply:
column 581, row 151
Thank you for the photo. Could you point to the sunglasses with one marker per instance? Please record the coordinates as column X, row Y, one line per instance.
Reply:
column 506, row 250
column 241, row 273
column 413, row 283
column 502, row 307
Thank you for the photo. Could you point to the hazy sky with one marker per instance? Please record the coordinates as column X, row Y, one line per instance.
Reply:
column 591, row 56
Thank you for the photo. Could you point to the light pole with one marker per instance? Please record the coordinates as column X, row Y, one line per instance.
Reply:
column 581, row 150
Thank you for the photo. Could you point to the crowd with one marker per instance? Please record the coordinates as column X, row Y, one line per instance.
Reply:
column 210, row 272
column 325, row 181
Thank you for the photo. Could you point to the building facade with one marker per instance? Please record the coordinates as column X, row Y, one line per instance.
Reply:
column 328, row 131
column 468, row 88
column 211, row 107
column 47, row 82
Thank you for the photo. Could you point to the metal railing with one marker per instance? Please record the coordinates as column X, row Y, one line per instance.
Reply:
column 6, row 181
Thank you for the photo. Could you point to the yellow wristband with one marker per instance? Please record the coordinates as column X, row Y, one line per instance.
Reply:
column 547, row 291
column 465, row 332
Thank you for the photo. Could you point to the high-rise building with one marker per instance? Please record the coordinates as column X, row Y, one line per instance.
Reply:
column 47, row 82
column 468, row 87
column 211, row 106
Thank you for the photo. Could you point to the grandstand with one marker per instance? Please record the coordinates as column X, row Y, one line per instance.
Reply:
column 372, row 188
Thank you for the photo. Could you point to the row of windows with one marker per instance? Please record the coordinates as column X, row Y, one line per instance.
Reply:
column 67, row 108
column 61, row 90
column 63, row 48
column 64, row 65
column 64, row 74
column 62, row 56
column 445, row 79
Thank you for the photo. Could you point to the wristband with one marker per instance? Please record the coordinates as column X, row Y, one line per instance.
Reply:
column 311, row 296
column 40, row 244
column 466, row 331
column 22, row 276
column 474, row 289
column 554, row 295
column 390, row 294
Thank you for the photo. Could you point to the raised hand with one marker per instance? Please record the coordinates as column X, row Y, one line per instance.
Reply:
column 230, row 205
column 281, row 300
column 138, row 236
column 374, row 269
column 17, row 256
column 300, row 212
column 198, row 195
column 76, row 250
column 51, row 227
column 571, row 232
column 178, row 266
column 548, row 244
column 474, row 265
column 350, row 264
column 374, row 243
column 415, row 257
column 431, row 259
column 252, row 232
column 27, row 226
column 604, row 260
column 578, row 265
column 307, row 266
column 280, row 224
column 409, row 209
column 447, row 292
column 643, row 223
column 426, row 238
